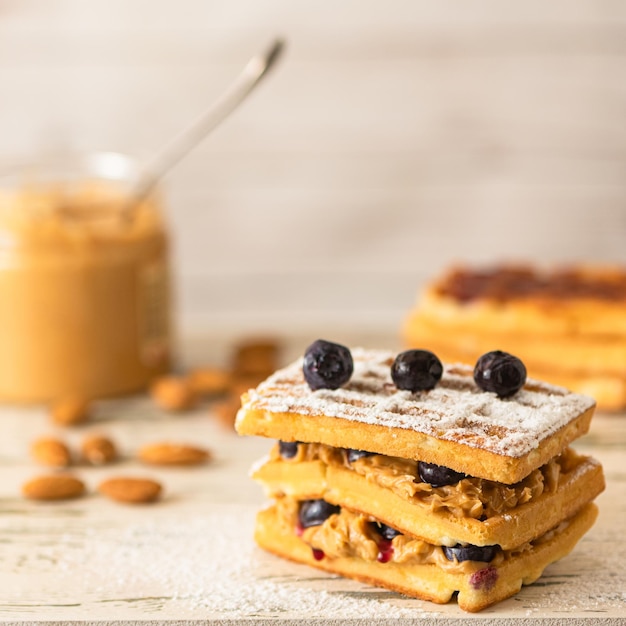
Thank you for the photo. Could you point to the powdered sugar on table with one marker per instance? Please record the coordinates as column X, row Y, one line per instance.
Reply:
column 455, row 410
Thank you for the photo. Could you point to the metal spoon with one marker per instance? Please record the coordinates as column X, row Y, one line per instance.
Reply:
column 170, row 154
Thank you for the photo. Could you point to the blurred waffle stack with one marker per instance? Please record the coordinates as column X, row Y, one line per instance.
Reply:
column 567, row 324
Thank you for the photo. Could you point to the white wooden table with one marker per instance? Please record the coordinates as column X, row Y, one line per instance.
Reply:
column 190, row 558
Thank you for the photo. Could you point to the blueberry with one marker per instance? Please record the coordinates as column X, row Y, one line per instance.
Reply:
column 416, row 370
column 386, row 532
column 353, row 455
column 438, row 475
column 315, row 512
column 470, row 553
column 288, row 449
column 500, row 372
column 327, row 365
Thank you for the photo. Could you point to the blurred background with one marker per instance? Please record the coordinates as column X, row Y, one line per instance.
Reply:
column 393, row 139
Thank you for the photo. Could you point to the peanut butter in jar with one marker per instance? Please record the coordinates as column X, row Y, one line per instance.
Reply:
column 84, row 282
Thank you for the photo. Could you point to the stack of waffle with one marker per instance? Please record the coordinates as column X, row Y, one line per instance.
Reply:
column 567, row 325
column 349, row 497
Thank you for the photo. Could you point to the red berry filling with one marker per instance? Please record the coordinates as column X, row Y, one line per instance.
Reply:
column 318, row 555
column 484, row 579
column 385, row 551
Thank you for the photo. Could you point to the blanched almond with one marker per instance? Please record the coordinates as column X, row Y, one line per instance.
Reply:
column 131, row 490
column 173, row 454
column 54, row 487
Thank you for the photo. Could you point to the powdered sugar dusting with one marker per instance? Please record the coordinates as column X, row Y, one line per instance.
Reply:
column 455, row 410
column 207, row 567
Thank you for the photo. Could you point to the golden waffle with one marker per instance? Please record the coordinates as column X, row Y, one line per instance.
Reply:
column 567, row 325
column 478, row 586
column 473, row 511
column 355, row 455
column 455, row 424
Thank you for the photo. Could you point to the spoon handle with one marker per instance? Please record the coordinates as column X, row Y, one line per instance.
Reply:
column 170, row 154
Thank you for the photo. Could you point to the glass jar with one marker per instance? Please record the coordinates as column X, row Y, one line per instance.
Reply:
column 84, row 281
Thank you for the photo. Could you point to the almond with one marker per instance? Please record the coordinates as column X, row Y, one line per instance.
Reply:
column 209, row 381
column 51, row 452
column 242, row 384
column 173, row 394
column 55, row 487
column 173, row 454
column 226, row 410
column 131, row 490
column 257, row 357
column 98, row 450
column 70, row 411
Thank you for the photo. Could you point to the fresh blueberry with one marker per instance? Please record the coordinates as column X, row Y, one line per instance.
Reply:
column 327, row 365
column 386, row 532
column 500, row 372
column 353, row 455
column 315, row 512
column 288, row 449
column 470, row 553
column 416, row 370
column 438, row 475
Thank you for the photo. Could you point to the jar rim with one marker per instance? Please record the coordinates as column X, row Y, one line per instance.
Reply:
column 113, row 166
column 70, row 192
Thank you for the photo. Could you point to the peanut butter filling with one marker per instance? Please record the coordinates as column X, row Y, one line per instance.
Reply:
column 350, row 534
column 471, row 497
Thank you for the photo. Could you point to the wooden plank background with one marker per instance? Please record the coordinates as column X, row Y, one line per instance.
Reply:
column 394, row 138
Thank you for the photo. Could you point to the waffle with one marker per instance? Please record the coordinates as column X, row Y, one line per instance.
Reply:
column 478, row 587
column 456, row 424
column 567, row 325
column 524, row 490
column 474, row 511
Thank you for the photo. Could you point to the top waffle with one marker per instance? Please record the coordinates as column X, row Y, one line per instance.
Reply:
column 514, row 298
column 455, row 424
